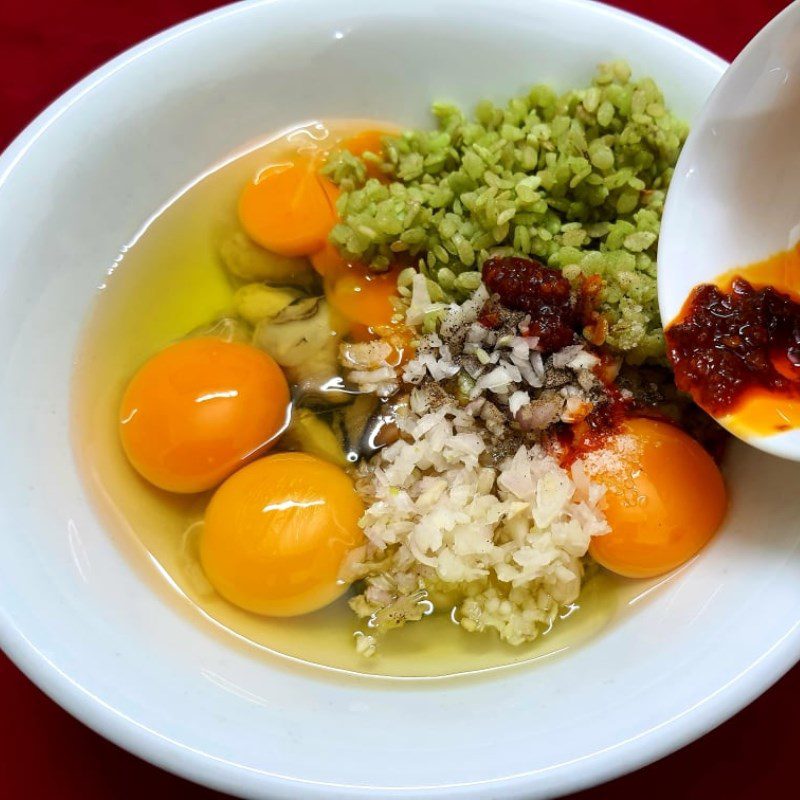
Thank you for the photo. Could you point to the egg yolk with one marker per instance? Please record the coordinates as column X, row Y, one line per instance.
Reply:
column 360, row 295
column 366, row 141
column 276, row 532
column 199, row 409
column 665, row 498
column 290, row 207
column 327, row 260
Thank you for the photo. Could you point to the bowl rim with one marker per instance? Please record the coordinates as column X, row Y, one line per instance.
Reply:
column 239, row 780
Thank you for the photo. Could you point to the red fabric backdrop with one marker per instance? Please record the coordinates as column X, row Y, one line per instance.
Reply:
column 45, row 47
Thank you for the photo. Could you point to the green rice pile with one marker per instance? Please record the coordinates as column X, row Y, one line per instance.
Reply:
column 576, row 181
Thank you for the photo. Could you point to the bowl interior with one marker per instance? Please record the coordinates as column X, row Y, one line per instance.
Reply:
column 95, row 623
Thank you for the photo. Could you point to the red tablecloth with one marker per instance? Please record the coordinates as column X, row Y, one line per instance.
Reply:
column 45, row 47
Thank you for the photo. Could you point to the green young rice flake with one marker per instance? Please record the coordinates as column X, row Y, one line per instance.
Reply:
column 577, row 181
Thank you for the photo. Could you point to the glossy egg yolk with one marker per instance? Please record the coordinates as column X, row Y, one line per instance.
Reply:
column 199, row 409
column 367, row 141
column 360, row 295
column 665, row 498
column 276, row 532
column 290, row 207
column 327, row 261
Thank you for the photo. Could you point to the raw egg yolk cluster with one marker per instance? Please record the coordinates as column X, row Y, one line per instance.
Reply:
column 665, row 498
column 199, row 412
column 194, row 417
column 290, row 209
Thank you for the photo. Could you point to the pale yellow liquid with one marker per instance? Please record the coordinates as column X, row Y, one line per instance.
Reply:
column 166, row 283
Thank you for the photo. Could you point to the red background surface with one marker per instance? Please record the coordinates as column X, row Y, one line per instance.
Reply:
column 44, row 48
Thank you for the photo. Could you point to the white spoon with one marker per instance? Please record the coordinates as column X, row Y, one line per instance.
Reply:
column 735, row 196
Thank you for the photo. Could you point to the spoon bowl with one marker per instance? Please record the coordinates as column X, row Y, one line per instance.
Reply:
column 735, row 195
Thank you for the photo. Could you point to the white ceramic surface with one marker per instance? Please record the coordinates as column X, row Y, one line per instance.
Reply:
column 86, row 615
column 734, row 198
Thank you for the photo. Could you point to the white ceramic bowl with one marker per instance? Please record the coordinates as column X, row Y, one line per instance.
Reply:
column 86, row 615
column 734, row 200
